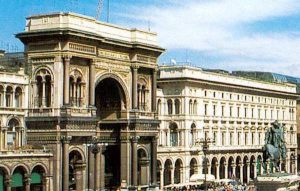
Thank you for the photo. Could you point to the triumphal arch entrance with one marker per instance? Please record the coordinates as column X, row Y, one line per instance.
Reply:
column 92, row 100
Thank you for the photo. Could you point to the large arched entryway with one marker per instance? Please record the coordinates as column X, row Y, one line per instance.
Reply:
column 37, row 179
column 231, row 173
column 110, row 99
column 178, row 171
column 193, row 167
column 143, row 167
column 252, row 167
column 213, row 168
column 238, row 164
column 76, row 167
column 259, row 166
column 245, row 169
column 3, row 179
column 167, row 172
column 20, row 179
column 222, row 168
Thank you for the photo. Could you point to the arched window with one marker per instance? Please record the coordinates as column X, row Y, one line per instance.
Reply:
column 13, row 128
column 2, row 94
column 191, row 107
column 159, row 107
column 43, row 89
column 9, row 96
column 193, row 134
column 223, row 138
column 195, row 107
column 170, row 107
column 173, row 134
column 18, row 97
column 76, row 89
column 177, row 106
column 142, row 95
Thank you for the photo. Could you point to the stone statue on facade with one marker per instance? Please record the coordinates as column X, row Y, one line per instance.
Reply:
column 274, row 149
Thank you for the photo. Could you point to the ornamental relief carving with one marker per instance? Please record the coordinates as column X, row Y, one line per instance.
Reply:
column 112, row 65
column 42, row 60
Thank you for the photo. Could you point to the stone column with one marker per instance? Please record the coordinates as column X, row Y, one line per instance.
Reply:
column 154, row 160
column 161, row 178
column 97, row 152
column 125, row 168
column 248, row 172
column 154, row 86
column 66, row 141
column 233, row 170
column 66, row 79
column 254, row 170
column 102, row 168
column 5, row 137
column 7, row 183
column 226, row 170
column 27, row 182
column 44, row 93
column 45, row 182
column 172, row 175
column 79, row 175
column 91, row 167
column 4, row 98
column 13, row 101
column 241, row 173
column 218, row 171
column 92, row 83
column 134, row 141
column 134, row 87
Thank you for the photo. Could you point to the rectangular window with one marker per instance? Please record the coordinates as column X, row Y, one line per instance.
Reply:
column 238, row 111
column 258, row 113
column 252, row 112
column 245, row 112
column 230, row 111
column 205, row 109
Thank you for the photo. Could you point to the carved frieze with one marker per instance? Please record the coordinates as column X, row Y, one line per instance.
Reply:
column 42, row 60
column 82, row 48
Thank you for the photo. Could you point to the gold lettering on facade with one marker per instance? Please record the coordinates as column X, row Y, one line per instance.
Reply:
column 82, row 48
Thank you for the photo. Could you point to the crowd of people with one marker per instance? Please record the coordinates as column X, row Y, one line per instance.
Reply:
column 214, row 186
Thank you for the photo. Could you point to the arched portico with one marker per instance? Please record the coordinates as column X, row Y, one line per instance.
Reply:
column 38, row 181
column 168, row 168
column 110, row 98
column 20, row 180
column 178, row 171
column 76, row 170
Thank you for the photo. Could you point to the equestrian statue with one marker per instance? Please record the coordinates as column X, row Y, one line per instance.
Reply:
column 274, row 149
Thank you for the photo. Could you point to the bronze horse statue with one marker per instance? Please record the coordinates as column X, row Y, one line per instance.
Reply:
column 274, row 148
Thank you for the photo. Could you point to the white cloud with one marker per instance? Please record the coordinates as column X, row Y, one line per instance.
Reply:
column 216, row 26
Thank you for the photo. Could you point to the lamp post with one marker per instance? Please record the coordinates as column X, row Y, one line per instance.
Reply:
column 205, row 146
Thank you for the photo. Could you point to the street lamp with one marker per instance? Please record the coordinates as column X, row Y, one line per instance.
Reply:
column 205, row 145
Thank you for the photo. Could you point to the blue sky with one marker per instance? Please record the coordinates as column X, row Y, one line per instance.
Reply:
column 225, row 34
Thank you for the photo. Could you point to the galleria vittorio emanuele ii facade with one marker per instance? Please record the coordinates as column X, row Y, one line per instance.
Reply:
column 234, row 112
column 86, row 107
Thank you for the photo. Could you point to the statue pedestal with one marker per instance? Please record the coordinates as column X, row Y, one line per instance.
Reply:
column 277, row 182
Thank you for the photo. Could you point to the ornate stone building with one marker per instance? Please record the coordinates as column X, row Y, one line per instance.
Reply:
column 92, row 100
column 234, row 111
column 21, row 167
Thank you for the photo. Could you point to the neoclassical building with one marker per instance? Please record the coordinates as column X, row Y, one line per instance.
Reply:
column 91, row 101
column 21, row 166
column 234, row 111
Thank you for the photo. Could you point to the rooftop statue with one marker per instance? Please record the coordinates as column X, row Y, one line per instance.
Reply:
column 274, row 148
